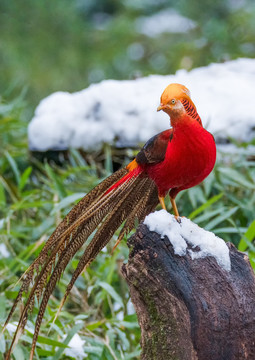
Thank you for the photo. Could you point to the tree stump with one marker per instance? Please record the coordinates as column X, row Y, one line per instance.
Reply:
column 190, row 309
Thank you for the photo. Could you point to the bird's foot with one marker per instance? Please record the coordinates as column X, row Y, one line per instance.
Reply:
column 179, row 218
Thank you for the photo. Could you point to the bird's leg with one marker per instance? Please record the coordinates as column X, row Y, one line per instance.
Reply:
column 162, row 202
column 176, row 213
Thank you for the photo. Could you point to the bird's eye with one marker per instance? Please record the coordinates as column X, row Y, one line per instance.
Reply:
column 173, row 101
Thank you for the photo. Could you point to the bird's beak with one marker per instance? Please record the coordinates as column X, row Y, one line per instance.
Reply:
column 160, row 107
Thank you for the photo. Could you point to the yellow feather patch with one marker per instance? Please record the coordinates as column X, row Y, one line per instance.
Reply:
column 132, row 165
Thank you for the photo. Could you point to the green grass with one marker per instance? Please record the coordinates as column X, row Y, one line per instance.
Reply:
column 33, row 199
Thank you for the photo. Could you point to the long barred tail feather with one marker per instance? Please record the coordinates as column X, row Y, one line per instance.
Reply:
column 72, row 216
column 122, row 197
column 101, row 207
column 112, row 223
column 144, row 202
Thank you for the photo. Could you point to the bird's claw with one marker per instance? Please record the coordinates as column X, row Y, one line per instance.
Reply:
column 178, row 219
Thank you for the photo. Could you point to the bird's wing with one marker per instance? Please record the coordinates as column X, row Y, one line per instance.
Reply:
column 155, row 148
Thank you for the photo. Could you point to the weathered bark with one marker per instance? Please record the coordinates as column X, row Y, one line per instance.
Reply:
column 190, row 309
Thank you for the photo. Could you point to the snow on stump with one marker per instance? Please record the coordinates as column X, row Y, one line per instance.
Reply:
column 194, row 295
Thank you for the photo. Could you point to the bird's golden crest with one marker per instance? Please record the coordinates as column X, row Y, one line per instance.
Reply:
column 174, row 91
column 176, row 101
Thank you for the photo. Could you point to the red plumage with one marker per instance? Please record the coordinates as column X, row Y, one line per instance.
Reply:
column 190, row 157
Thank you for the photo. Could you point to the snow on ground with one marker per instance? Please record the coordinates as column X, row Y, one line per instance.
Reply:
column 75, row 345
column 4, row 252
column 123, row 113
column 12, row 327
column 165, row 21
column 75, row 349
column 187, row 233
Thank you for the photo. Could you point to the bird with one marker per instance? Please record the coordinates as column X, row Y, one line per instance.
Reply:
column 173, row 160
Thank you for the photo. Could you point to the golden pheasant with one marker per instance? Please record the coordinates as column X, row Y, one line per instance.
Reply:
column 173, row 160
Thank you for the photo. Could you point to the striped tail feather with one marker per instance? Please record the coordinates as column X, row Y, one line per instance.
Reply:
column 122, row 197
column 145, row 204
column 71, row 217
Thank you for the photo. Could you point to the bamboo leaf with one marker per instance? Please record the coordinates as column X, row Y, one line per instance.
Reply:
column 208, row 203
column 248, row 237
column 219, row 219
column 68, row 200
column 2, row 196
column 48, row 341
column 18, row 353
column 58, row 185
column 69, row 337
column 111, row 292
column 24, row 178
column 237, row 177
column 209, row 214
column 13, row 166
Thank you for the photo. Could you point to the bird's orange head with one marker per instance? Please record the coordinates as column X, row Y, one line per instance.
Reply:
column 176, row 101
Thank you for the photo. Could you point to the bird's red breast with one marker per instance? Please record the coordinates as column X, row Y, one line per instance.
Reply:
column 190, row 157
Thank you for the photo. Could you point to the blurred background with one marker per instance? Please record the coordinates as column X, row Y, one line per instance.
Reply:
column 47, row 46
column 66, row 45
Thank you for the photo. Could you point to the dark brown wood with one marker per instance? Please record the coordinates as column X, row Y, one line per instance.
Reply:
column 190, row 309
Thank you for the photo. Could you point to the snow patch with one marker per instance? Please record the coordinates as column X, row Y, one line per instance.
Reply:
column 124, row 113
column 4, row 252
column 187, row 233
column 75, row 349
column 165, row 21
column 12, row 327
